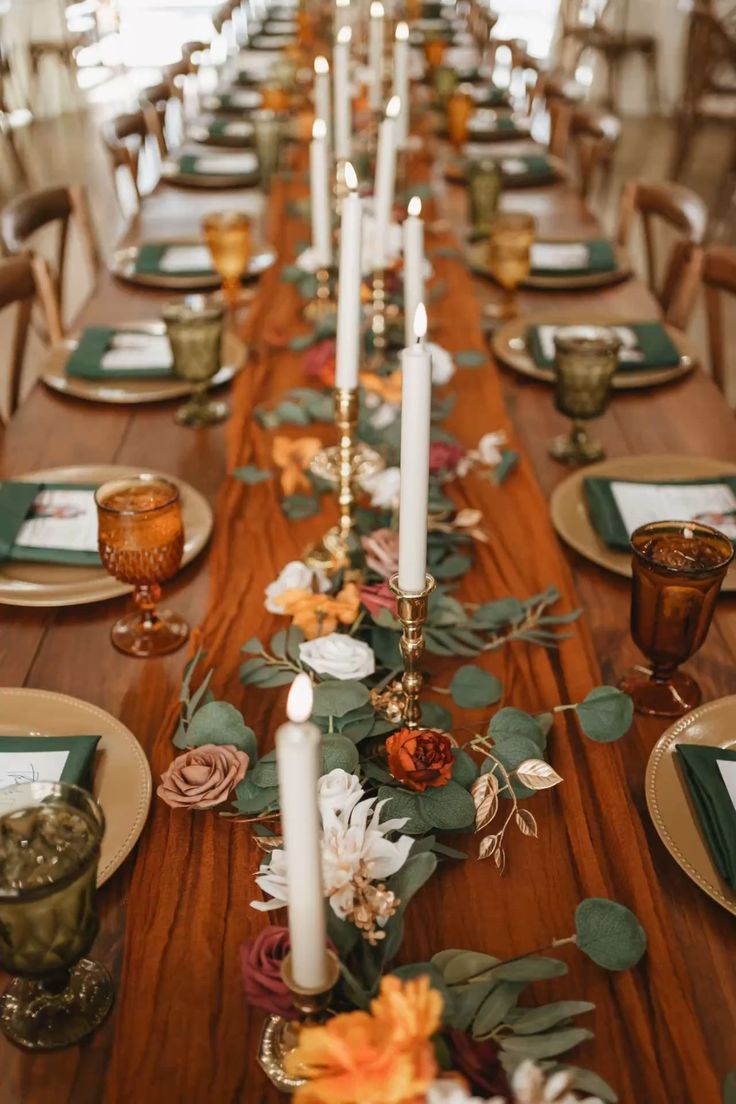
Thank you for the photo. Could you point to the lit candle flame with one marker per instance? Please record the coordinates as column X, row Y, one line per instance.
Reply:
column 321, row 65
column 344, row 35
column 402, row 32
column 351, row 177
column 376, row 10
column 319, row 129
column 393, row 108
column 420, row 322
column 300, row 700
column 415, row 206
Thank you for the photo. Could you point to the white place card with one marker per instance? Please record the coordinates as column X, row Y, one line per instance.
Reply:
column 514, row 166
column 222, row 164
column 144, row 352
column 630, row 351
column 61, row 519
column 19, row 767
column 711, row 503
column 246, row 98
column 560, row 255
column 238, row 129
column 187, row 258
column 485, row 118
column 727, row 767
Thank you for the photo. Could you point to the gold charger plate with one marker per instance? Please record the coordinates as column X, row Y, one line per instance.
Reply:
column 477, row 253
column 136, row 390
column 668, row 799
column 123, row 266
column 121, row 775
column 455, row 173
column 171, row 173
column 23, row 583
column 570, row 515
column 509, row 346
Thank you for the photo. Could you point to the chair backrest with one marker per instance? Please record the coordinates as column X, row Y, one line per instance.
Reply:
column 686, row 214
column 591, row 136
column 24, row 280
column 718, row 273
column 27, row 213
column 125, row 139
column 154, row 102
column 710, row 51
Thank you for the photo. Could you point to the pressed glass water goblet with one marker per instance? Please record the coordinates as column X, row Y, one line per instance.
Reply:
column 510, row 240
column 228, row 237
column 268, row 128
column 141, row 542
column 50, row 834
column 194, row 326
column 444, row 82
column 678, row 568
column 586, row 358
column 484, row 191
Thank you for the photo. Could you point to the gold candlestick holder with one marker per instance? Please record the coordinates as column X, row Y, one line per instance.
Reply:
column 343, row 465
column 378, row 310
column 412, row 613
column 323, row 304
column 280, row 1036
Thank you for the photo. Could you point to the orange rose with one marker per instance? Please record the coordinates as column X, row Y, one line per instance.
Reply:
column 293, row 455
column 319, row 614
column 420, row 757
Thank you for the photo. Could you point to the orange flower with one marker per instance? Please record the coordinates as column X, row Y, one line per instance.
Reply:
column 319, row 614
column 387, row 388
column 420, row 757
column 293, row 455
column 383, row 1056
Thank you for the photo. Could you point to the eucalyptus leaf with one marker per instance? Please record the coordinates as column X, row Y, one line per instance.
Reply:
column 302, row 342
column 401, row 803
column 252, row 645
column 470, row 358
column 466, row 1002
column 251, row 799
column 449, row 807
column 605, row 714
column 465, row 771
column 436, row 716
column 339, row 752
column 251, row 474
column 452, row 566
column 510, row 722
column 534, row 1020
column 496, row 1007
column 531, row 968
column 494, row 615
column 221, row 723
column 609, row 933
column 588, row 1082
column 473, row 688
column 336, row 697
column 546, row 1046
column 264, row 775
column 342, row 934
column 417, row 870
column 507, row 463
column 300, row 506
column 465, row 965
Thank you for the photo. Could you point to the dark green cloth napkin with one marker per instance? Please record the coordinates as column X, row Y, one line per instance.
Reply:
column 712, row 802
column 601, row 258
column 536, row 164
column 85, row 360
column 658, row 348
column 150, row 255
column 78, row 766
column 605, row 516
column 12, row 498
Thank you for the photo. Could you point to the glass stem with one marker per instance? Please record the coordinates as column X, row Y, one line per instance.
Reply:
column 511, row 307
column 231, row 291
column 146, row 597
column 56, row 983
column 578, row 433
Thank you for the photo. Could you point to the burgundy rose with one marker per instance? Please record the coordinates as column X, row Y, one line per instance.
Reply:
column 203, row 777
column 260, row 966
column 478, row 1061
column 444, row 456
column 382, row 552
column 376, row 597
column 319, row 362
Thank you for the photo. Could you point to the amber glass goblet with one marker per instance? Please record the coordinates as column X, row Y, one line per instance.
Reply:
column 434, row 51
column 510, row 240
column 678, row 568
column 50, row 835
column 460, row 107
column 141, row 542
column 228, row 237
column 194, row 326
column 586, row 358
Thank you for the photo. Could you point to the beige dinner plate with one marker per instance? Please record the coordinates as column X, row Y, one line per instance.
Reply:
column 509, row 345
column 570, row 513
column 23, row 583
column 134, row 390
column 670, row 805
column 171, row 173
column 121, row 777
column 477, row 253
column 123, row 266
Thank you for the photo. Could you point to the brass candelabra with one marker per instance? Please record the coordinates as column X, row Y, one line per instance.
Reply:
column 378, row 311
column 343, row 465
column 411, row 610
column 323, row 304
column 280, row 1036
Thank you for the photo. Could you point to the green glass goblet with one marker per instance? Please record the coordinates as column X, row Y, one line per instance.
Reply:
column 484, row 191
column 586, row 358
column 268, row 130
column 194, row 326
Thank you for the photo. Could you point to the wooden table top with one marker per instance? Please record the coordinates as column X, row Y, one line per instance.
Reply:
column 68, row 650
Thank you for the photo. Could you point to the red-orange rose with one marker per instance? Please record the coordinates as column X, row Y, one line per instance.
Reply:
column 420, row 757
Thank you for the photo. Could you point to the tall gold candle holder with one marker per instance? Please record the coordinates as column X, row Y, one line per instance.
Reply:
column 412, row 613
column 343, row 465
column 378, row 310
column 280, row 1036
column 323, row 304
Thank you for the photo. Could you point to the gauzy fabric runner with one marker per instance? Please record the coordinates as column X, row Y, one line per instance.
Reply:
column 183, row 1030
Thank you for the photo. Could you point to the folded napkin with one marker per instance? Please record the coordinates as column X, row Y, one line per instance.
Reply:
column 46, row 759
column 644, row 345
column 48, row 523
column 532, row 165
column 221, row 128
column 173, row 259
column 242, row 98
column 490, row 96
column 220, row 164
column 572, row 258
column 705, row 770
column 105, row 353
column 644, row 502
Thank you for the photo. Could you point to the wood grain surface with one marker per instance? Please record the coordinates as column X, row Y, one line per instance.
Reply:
column 173, row 916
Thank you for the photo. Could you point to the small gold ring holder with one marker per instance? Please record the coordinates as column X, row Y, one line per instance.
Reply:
column 343, row 465
column 323, row 304
column 280, row 1036
column 411, row 610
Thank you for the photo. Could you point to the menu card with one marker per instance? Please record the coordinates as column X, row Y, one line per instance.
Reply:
column 559, row 255
column 44, row 759
column 225, row 164
column 61, row 518
column 186, row 258
column 145, row 352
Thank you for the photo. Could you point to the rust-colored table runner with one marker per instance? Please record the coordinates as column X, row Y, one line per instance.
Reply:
column 183, row 1031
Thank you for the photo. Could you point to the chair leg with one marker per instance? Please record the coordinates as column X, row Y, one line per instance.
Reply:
column 685, row 124
column 651, row 62
column 612, row 61
column 7, row 131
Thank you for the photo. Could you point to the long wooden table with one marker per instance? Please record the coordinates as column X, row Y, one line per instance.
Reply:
column 68, row 650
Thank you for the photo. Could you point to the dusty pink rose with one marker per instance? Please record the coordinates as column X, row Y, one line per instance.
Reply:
column 203, row 777
column 376, row 597
column 382, row 552
column 260, row 967
column 444, row 456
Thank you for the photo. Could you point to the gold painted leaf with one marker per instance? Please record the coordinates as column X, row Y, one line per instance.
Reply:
column 499, row 857
column 487, row 846
column 537, row 775
column 525, row 822
column 485, row 797
column 269, row 843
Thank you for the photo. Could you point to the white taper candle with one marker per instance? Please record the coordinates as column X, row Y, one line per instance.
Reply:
column 385, row 181
column 319, row 187
column 375, row 56
column 347, row 352
column 401, row 81
column 322, row 107
column 416, row 409
column 342, row 105
column 413, row 244
column 298, row 754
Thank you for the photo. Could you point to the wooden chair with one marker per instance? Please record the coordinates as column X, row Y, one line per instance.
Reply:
column 25, row 280
column 25, row 215
column 125, row 138
column 591, row 136
column 685, row 213
column 718, row 274
column 154, row 102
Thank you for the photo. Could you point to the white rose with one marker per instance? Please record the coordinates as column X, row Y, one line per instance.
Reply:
column 384, row 487
column 339, row 656
column 294, row 576
column 384, row 416
column 489, row 447
column 308, row 260
column 443, row 367
column 338, row 791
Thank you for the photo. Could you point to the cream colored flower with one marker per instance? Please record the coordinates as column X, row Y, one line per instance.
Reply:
column 384, row 487
column 338, row 656
column 443, row 366
column 294, row 576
